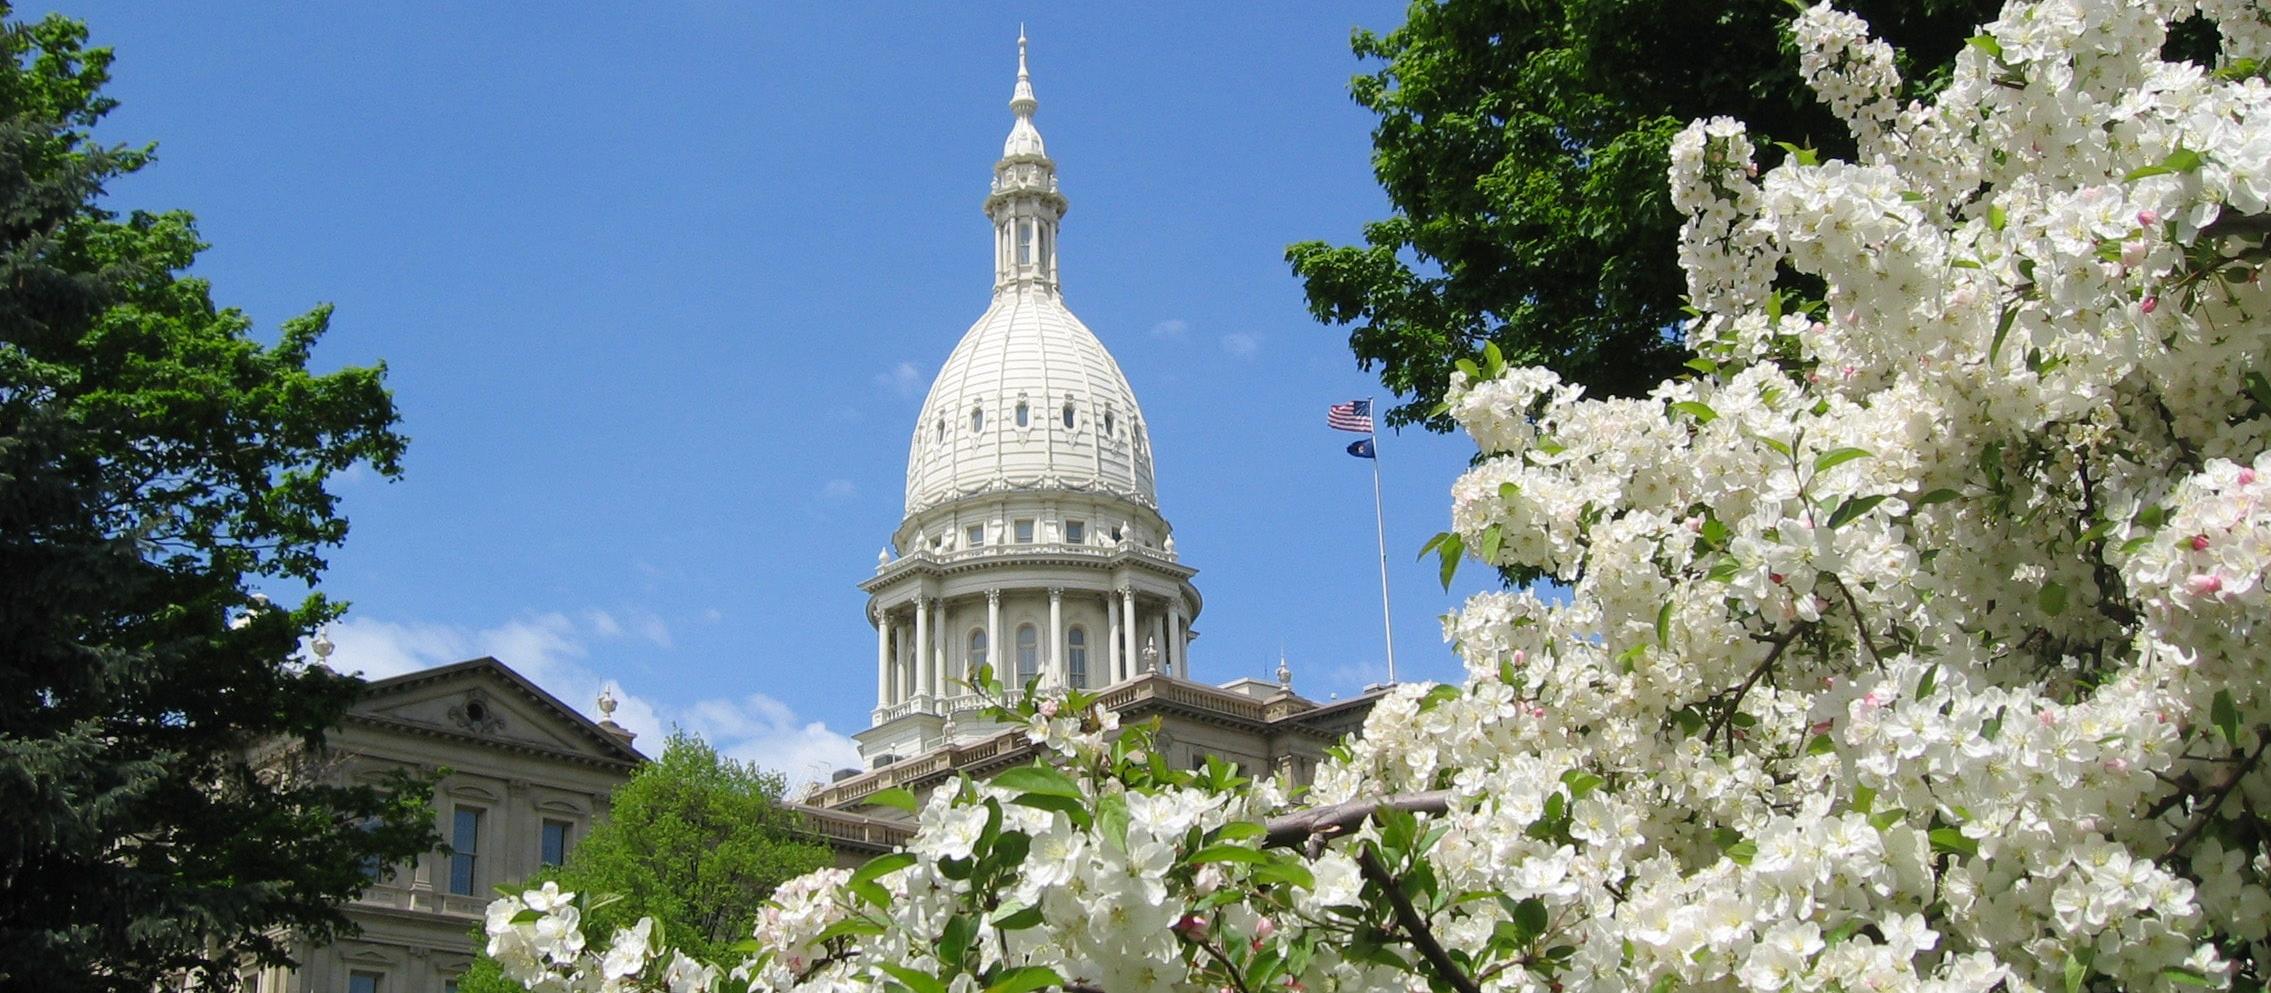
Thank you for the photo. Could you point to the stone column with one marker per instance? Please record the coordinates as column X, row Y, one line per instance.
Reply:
column 1175, row 645
column 882, row 658
column 923, row 685
column 937, row 648
column 1128, row 631
column 993, row 632
column 1053, row 671
column 1113, row 670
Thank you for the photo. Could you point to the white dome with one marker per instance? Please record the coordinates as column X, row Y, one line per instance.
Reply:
column 1028, row 352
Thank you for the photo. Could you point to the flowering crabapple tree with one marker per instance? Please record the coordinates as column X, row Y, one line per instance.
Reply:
column 1911, row 641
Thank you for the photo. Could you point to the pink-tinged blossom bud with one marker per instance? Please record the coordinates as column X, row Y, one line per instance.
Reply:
column 2045, row 717
column 2246, row 477
column 2148, row 217
column 1191, row 926
column 2117, row 764
column 2199, row 543
column 1263, row 928
column 1048, row 708
column 2150, row 304
column 2204, row 584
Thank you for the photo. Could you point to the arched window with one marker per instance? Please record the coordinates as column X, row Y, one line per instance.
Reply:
column 977, row 656
column 942, row 429
column 1028, row 654
column 1068, row 413
column 1021, row 413
column 1107, row 424
column 1076, row 658
column 977, row 419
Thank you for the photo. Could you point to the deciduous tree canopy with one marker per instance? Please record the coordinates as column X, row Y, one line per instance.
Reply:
column 1522, row 145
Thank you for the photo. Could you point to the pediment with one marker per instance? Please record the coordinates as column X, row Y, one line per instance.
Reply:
column 484, row 699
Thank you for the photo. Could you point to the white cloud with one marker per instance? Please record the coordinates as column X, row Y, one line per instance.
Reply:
column 1173, row 327
column 903, row 379
column 552, row 650
column 1241, row 344
column 839, row 489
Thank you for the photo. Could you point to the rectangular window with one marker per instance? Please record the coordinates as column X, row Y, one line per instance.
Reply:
column 1025, row 242
column 465, row 847
column 449, row 986
column 1025, row 532
column 1076, row 532
column 555, row 842
column 977, row 535
column 359, row 981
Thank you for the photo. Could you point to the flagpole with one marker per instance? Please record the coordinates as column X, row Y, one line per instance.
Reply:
column 1380, row 529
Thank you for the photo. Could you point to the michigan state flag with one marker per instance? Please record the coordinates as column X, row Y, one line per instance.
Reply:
column 1361, row 449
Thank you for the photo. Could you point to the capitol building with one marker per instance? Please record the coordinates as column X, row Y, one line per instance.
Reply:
column 1032, row 544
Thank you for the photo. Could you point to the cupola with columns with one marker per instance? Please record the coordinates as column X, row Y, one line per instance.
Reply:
column 1032, row 541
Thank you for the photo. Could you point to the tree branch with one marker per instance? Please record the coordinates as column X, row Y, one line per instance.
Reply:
column 2223, row 790
column 1414, row 926
column 1292, row 830
column 1860, row 623
column 1735, row 700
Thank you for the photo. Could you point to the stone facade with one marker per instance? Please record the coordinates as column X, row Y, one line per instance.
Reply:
column 521, row 773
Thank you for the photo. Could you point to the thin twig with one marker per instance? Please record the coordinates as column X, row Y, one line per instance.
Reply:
column 1727, row 715
column 1414, row 926
column 2223, row 789
column 1292, row 830
column 1860, row 623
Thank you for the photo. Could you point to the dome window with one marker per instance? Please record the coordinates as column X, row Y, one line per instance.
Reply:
column 1107, row 424
column 977, row 656
column 942, row 429
column 1076, row 658
column 1076, row 532
column 1022, row 413
column 1068, row 413
column 977, row 419
column 1028, row 654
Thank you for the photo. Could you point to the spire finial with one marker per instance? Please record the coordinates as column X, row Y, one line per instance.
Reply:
column 1021, row 101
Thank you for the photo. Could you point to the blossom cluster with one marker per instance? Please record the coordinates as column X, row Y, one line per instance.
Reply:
column 1911, row 644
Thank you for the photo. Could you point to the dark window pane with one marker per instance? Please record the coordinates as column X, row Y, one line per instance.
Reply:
column 555, row 842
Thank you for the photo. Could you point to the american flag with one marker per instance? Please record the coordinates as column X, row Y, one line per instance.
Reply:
column 1355, row 415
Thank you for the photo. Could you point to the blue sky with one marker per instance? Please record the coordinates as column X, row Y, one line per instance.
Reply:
column 660, row 289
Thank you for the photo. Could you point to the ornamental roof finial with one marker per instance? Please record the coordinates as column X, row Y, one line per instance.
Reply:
column 1023, row 139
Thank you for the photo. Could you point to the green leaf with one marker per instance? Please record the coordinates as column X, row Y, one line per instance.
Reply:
column 1025, row 979
column 1037, row 779
column 916, row 980
column 1821, row 745
column 1451, row 549
column 1724, row 569
column 2051, row 598
column 1926, row 683
column 1852, row 509
column 1987, row 43
column 2185, row 977
column 1837, row 457
column 1074, row 808
column 2225, row 715
column 1580, row 783
column 1699, row 410
column 1993, row 726
column 1241, row 831
column 1664, row 626
column 2078, row 967
column 1473, row 371
column 1951, row 841
column 1285, row 870
column 1017, row 918
column 1742, row 852
column 896, row 797
column 1704, row 366
column 1775, row 445
column 1996, row 218
column 1493, row 360
column 1863, row 798
column 1884, row 819
column 528, row 917
column 1228, row 853
column 2259, row 389
column 1530, row 918
column 2002, row 330
column 1490, row 544
column 1509, row 491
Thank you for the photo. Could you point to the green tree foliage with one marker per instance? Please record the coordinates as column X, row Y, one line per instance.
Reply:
column 162, row 807
column 696, row 841
column 1523, row 147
